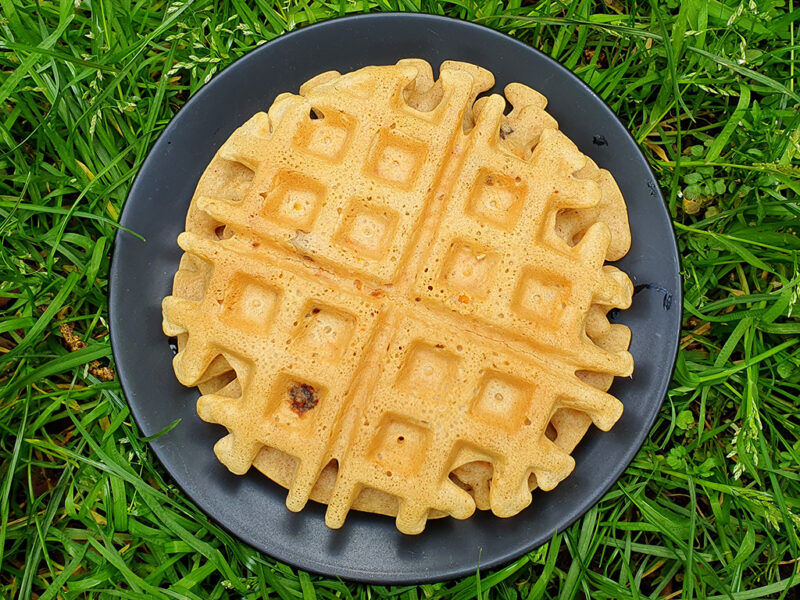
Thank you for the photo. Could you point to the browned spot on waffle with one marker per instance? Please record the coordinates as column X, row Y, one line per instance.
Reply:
column 302, row 398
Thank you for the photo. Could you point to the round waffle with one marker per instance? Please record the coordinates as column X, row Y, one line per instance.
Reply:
column 394, row 295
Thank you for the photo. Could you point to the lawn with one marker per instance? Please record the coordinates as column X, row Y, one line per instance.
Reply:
column 710, row 507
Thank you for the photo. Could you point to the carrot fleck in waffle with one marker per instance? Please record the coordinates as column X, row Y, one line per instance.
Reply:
column 394, row 295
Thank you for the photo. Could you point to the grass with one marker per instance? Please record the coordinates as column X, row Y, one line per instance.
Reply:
column 710, row 507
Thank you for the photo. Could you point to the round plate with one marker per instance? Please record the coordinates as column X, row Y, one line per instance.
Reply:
column 369, row 548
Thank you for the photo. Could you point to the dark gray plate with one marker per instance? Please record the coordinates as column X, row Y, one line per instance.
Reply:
column 369, row 548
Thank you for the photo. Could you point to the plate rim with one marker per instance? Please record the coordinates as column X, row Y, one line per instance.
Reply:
column 351, row 573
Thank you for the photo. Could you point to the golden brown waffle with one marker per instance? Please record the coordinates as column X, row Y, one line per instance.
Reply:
column 394, row 296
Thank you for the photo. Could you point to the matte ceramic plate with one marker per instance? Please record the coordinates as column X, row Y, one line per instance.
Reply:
column 369, row 548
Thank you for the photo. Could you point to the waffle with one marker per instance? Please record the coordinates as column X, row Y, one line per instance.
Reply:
column 394, row 295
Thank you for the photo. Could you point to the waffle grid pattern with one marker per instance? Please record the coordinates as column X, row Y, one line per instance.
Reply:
column 393, row 245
